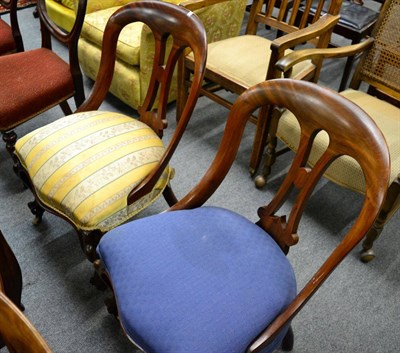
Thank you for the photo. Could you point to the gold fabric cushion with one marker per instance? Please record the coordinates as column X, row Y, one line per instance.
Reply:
column 345, row 171
column 244, row 59
column 128, row 47
column 84, row 166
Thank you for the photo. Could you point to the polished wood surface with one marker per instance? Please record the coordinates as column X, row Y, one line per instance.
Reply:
column 316, row 109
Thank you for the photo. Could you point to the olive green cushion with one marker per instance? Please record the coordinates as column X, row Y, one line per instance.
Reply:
column 84, row 166
column 345, row 171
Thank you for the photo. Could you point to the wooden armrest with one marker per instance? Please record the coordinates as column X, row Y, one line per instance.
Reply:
column 199, row 4
column 287, row 62
column 313, row 31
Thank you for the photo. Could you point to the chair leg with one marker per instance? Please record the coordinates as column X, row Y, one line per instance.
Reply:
column 182, row 90
column 288, row 340
column 390, row 205
column 169, row 196
column 37, row 211
column 10, row 138
column 89, row 241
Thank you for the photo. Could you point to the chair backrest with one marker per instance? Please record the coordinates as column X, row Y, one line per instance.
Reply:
column 70, row 39
column 168, row 22
column 284, row 15
column 17, row 332
column 351, row 132
column 380, row 65
column 11, row 5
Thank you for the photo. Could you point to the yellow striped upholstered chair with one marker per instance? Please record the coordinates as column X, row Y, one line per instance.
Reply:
column 10, row 34
column 379, row 71
column 97, row 169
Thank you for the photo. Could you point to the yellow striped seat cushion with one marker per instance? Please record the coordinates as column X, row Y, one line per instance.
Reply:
column 84, row 166
column 345, row 171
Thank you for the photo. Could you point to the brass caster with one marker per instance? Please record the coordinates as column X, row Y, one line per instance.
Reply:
column 259, row 181
column 367, row 255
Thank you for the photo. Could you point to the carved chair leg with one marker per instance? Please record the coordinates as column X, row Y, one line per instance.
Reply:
column 260, row 139
column 390, row 206
column 89, row 241
column 288, row 340
column 37, row 211
column 10, row 138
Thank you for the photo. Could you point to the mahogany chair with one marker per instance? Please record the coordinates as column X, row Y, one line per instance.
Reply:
column 17, row 332
column 10, row 34
column 206, row 279
column 375, row 87
column 97, row 169
column 237, row 63
column 36, row 80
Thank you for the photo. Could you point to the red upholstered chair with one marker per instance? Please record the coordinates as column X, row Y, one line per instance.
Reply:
column 36, row 80
column 206, row 279
column 10, row 35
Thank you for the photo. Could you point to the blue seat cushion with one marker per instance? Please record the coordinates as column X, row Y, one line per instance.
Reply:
column 203, row 280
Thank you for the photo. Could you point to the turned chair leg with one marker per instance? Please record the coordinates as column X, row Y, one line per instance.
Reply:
column 390, row 205
column 37, row 211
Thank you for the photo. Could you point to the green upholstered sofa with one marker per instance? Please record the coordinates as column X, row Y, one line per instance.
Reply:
column 135, row 49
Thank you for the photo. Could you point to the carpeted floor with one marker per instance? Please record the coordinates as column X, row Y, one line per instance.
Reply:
column 357, row 309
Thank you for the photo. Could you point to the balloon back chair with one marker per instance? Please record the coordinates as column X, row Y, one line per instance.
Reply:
column 10, row 34
column 375, row 87
column 237, row 63
column 97, row 169
column 36, row 80
column 205, row 279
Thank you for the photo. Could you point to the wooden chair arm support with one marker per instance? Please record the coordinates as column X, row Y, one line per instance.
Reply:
column 301, row 36
column 287, row 62
column 193, row 5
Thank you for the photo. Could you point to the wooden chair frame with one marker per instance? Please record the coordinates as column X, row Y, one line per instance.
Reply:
column 298, row 33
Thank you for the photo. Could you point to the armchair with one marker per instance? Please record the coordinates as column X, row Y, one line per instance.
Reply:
column 10, row 35
column 97, row 169
column 206, row 279
column 221, row 18
column 379, row 71
column 237, row 63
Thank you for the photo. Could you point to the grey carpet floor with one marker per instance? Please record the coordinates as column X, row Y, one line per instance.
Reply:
column 357, row 309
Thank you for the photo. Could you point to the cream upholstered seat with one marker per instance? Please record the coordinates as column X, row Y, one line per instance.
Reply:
column 237, row 63
column 98, row 169
column 379, row 70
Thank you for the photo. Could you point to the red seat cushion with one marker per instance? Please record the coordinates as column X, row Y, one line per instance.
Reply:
column 7, row 43
column 32, row 82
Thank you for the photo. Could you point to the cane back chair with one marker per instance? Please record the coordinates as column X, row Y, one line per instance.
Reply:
column 237, row 63
column 10, row 34
column 36, row 80
column 211, row 280
column 375, row 87
column 97, row 169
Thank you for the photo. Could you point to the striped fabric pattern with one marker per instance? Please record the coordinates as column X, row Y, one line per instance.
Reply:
column 84, row 166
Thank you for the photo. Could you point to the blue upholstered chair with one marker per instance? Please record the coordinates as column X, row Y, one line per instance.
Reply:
column 205, row 279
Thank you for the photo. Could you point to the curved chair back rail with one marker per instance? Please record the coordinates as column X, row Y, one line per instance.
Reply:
column 199, row 231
